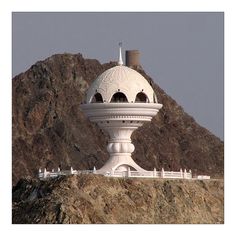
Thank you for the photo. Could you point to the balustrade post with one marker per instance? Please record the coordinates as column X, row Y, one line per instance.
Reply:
column 45, row 173
column 190, row 172
column 181, row 173
column 162, row 173
column 94, row 170
column 71, row 170
column 129, row 174
column 154, row 172
column 185, row 174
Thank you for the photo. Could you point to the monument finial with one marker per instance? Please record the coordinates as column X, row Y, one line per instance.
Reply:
column 120, row 61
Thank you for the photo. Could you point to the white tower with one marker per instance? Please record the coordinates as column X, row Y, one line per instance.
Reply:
column 120, row 100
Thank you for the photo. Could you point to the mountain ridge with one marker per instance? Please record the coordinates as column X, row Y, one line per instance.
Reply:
column 95, row 199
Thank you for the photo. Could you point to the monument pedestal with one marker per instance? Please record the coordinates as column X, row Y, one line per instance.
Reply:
column 119, row 120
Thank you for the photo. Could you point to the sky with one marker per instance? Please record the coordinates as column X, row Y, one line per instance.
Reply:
column 182, row 52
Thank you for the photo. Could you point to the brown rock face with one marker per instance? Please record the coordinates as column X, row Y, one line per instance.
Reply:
column 49, row 128
column 91, row 198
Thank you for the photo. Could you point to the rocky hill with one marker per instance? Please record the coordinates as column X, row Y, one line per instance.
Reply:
column 98, row 199
column 49, row 128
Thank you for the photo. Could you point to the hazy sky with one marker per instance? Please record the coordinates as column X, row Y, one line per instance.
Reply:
column 182, row 52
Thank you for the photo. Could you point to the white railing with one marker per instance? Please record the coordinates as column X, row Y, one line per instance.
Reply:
column 152, row 174
column 142, row 174
column 172, row 174
column 52, row 174
column 132, row 174
column 203, row 177
column 117, row 174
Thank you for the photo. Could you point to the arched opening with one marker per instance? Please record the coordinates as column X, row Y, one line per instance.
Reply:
column 125, row 168
column 97, row 98
column 141, row 97
column 119, row 97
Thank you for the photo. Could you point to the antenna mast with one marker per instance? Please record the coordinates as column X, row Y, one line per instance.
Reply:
column 120, row 61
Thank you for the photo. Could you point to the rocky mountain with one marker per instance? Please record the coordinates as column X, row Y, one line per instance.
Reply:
column 97, row 199
column 49, row 129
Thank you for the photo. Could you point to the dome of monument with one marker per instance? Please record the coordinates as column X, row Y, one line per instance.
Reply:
column 120, row 84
